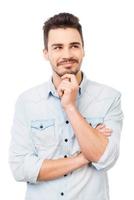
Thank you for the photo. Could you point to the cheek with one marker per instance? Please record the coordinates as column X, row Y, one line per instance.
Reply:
column 53, row 59
column 80, row 56
column 54, row 55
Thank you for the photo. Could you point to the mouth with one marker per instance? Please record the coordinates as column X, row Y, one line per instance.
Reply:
column 67, row 64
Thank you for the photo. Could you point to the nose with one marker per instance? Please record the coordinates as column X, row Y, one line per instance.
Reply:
column 66, row 53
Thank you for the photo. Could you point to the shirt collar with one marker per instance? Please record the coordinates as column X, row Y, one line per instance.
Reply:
column 52, row 91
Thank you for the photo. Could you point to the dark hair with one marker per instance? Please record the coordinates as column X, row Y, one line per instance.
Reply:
column 61, row 20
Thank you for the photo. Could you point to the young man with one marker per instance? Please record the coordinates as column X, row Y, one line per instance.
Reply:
column 66, row 132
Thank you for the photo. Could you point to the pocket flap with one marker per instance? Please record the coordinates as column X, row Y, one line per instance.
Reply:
column 42, row 124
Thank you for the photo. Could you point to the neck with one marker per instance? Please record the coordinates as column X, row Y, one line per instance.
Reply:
column 57, row 79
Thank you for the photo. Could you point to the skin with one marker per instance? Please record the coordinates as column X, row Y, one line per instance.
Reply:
column 65, row 54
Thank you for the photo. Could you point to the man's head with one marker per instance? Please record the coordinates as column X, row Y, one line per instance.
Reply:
column 61, row 20
column 64, row 46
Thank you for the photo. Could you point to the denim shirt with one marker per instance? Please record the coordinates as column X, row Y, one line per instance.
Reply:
column 41, row 130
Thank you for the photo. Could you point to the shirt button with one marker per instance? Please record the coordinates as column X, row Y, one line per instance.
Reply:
column 65, row 156
column 66, row 140
column 62, row 193
column 41, row 126
column 67, row 122
column 65, row 175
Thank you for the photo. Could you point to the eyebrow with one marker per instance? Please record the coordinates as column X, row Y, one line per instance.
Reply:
column 60, row 44
column 56, row 44
column 75, row 43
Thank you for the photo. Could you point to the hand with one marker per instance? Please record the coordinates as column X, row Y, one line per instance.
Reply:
column 104, row 130
column 68, row 90
column 81, row 158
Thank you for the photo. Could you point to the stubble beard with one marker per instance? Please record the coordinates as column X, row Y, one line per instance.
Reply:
column 68, row 71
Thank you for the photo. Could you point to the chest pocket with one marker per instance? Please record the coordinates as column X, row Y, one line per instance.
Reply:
column 94, row 121
column 43, row 133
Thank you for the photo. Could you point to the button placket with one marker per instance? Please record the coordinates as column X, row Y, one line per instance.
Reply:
column 65, row 140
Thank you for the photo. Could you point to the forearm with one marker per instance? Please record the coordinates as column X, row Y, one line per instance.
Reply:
column 52, row 169
column 92, row 143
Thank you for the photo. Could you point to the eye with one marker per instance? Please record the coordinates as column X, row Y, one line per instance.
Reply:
column 75, row 46
column 57, row 47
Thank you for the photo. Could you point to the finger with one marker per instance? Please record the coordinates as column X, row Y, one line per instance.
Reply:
column 71, row 77
column 100, row 126
column 68, row 76
column 64, row 85
column 63, row 89
column 103, row 127
column 107, row 130
column 60, row 93
column 106, row 134
column 66, row 81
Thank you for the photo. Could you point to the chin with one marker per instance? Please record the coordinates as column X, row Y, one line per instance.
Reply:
column 64, row 71
column 68, row 72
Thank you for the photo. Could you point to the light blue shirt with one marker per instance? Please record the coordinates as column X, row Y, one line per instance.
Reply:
column 41, row 130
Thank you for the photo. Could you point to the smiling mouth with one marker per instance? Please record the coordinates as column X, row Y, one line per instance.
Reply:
column 67, row 62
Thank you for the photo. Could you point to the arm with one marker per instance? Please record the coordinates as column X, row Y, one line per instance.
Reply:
column 114, row 120
column 23, row 158
column 92, row 142
column 24, row 161
column 52, row 169
column 99, row 149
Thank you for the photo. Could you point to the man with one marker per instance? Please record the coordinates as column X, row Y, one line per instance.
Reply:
column 66, row 132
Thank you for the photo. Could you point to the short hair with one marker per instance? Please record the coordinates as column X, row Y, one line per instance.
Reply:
column 61, row 20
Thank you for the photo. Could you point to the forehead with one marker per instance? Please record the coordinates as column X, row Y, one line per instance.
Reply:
column 63, row 36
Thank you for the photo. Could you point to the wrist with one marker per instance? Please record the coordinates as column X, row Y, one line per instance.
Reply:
column 81, row 160
column 70, row 108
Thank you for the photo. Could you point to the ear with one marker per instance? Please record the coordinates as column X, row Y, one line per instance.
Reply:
column 45, row 53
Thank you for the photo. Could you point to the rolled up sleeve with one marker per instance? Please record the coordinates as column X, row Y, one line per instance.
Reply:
column 114, row 120
column 23, row 159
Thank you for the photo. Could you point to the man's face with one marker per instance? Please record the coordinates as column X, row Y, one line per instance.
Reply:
column 65, row 51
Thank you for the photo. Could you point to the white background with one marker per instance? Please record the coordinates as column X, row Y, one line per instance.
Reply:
column 108, row 28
